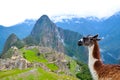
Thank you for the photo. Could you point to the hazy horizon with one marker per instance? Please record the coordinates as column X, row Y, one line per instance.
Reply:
column 16, row 11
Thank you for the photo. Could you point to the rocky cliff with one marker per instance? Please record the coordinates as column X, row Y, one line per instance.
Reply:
column 15, row 61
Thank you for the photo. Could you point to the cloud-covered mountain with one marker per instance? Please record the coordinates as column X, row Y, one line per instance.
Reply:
column 108, row 29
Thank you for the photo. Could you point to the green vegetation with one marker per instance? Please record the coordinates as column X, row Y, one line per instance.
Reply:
column 12, row 40
column 7, row 73
column 33, row 55
column 71, row 47
column 84, row 73
column 53, row 76
column 9, row 42
column 72, row 64
column 52, row 66
column 8, row 54
column 19, row 44
column 81, row 72
column 33, row 74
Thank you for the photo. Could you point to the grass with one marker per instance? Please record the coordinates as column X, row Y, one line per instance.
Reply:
column 52, row 66
column 40, row 74
column 72, row 65
column 53, row 76
column 11, row 72
column 34, row 74
column 31, row 55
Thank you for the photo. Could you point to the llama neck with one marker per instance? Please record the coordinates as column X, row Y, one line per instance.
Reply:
column 94, row 56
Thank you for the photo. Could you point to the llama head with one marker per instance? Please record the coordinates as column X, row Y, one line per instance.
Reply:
column 88, row 40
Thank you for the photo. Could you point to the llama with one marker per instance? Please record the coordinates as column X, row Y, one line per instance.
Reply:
column 99, row 71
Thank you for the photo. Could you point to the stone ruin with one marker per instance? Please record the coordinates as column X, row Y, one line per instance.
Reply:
column 16, row 61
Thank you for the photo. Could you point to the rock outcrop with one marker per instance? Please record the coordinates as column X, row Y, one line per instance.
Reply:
column 16, row 61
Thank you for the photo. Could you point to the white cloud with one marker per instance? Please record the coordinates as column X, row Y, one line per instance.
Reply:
column 14, row 11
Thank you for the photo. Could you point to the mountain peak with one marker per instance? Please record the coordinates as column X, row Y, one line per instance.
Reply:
column 42, row 24
column 10, row 41
column 45, row 33
column 43, row 18
column 13, row 38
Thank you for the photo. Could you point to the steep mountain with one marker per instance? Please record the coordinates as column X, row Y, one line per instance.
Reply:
column 46, row 33
column 12, row 40
column 70, row 39
column 21, row 30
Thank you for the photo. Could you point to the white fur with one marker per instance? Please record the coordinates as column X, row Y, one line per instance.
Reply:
column 81, row 40
column 91, row 62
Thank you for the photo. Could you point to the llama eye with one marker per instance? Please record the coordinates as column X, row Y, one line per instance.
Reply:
column 84, row 38
column 91, row 39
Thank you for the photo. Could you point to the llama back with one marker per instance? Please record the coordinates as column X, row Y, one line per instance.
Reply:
column 109, row 72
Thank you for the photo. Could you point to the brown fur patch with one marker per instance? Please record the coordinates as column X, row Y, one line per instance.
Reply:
column 105, row 72
column 109, row 72
column 96, row 52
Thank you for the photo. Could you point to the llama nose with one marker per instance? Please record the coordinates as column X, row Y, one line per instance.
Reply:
column 80, row 43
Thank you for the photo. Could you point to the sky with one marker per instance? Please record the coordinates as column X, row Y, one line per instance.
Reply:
column 15, row 11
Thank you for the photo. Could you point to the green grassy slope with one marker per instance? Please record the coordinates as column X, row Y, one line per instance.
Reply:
column 76, row 70
column 33, row 74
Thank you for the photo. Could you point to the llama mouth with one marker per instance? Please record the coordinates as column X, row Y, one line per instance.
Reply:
column 79, row 43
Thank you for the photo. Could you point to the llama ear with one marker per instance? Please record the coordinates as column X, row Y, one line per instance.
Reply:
column 98, row 39
column 95, row 36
